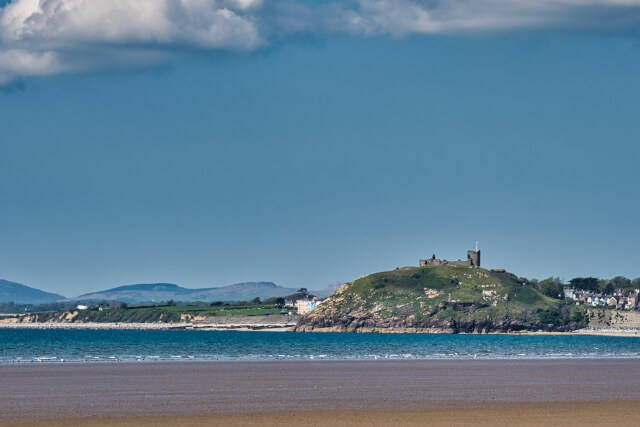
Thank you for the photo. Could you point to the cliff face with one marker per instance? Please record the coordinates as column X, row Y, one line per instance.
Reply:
column 64, row 316
column 443, row 299
column 372, row 323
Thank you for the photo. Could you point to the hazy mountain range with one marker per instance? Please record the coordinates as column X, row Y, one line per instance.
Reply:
column 18, row 293
column 168, row 291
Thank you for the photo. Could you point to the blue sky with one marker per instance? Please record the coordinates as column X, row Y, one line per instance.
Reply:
column 320, row 156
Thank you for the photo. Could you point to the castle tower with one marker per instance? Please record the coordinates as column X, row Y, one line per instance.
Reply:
column 474, row 257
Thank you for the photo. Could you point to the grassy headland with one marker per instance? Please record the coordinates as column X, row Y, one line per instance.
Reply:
column 443, row 299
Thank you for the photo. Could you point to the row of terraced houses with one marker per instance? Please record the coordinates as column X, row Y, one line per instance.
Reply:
column 619, row 299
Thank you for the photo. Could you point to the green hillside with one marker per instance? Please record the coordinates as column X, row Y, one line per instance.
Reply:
column 151, row 314
column 442, row 299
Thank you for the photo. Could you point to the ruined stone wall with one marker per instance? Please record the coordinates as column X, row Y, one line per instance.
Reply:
column 438, row 262
column 473, row 260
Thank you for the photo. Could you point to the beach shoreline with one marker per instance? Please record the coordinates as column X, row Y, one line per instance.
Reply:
column 151, row 326
column 276, row 327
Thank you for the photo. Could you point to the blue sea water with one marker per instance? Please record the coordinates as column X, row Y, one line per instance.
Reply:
column 55, row 346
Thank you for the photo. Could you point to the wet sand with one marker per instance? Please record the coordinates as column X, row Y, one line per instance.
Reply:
column 550, row 414
column 496, row 392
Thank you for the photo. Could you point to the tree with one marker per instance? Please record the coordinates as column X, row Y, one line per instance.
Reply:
column 577, row 316
column 551, row 287
column 123, row 305
column 550, row 315
column 585, row 283
column 275, row 301
column 619, row 282
column 609, row 288
column 256, row 300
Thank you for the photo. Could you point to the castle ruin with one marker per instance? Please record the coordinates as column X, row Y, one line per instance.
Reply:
column 473, row 260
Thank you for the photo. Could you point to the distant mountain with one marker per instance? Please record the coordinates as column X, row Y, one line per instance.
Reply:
column 144, row 292
column 18, row 293
column 328, row 290
column 240, row 291
column 167, row 291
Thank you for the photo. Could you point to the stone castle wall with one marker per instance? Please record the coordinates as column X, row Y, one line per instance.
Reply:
column 473, row 260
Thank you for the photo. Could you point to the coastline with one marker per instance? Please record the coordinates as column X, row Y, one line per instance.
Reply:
column 274, row 327
column 279, row 327
column 504, row 392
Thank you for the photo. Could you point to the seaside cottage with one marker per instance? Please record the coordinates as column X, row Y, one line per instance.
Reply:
column 306, row 305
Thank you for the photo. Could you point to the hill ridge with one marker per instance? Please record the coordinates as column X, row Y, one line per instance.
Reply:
column 445, row 299
column 19, row 293
column 165, row 291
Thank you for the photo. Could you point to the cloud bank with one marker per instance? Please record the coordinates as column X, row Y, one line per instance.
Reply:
column 45, row 37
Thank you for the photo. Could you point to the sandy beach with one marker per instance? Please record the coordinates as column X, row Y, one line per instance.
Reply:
column 494, row 392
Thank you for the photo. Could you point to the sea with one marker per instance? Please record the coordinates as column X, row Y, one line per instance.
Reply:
column 138, row 346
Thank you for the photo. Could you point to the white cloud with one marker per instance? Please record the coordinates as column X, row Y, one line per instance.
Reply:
column 402, row 17
column 16, row 63
column 40, row 37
